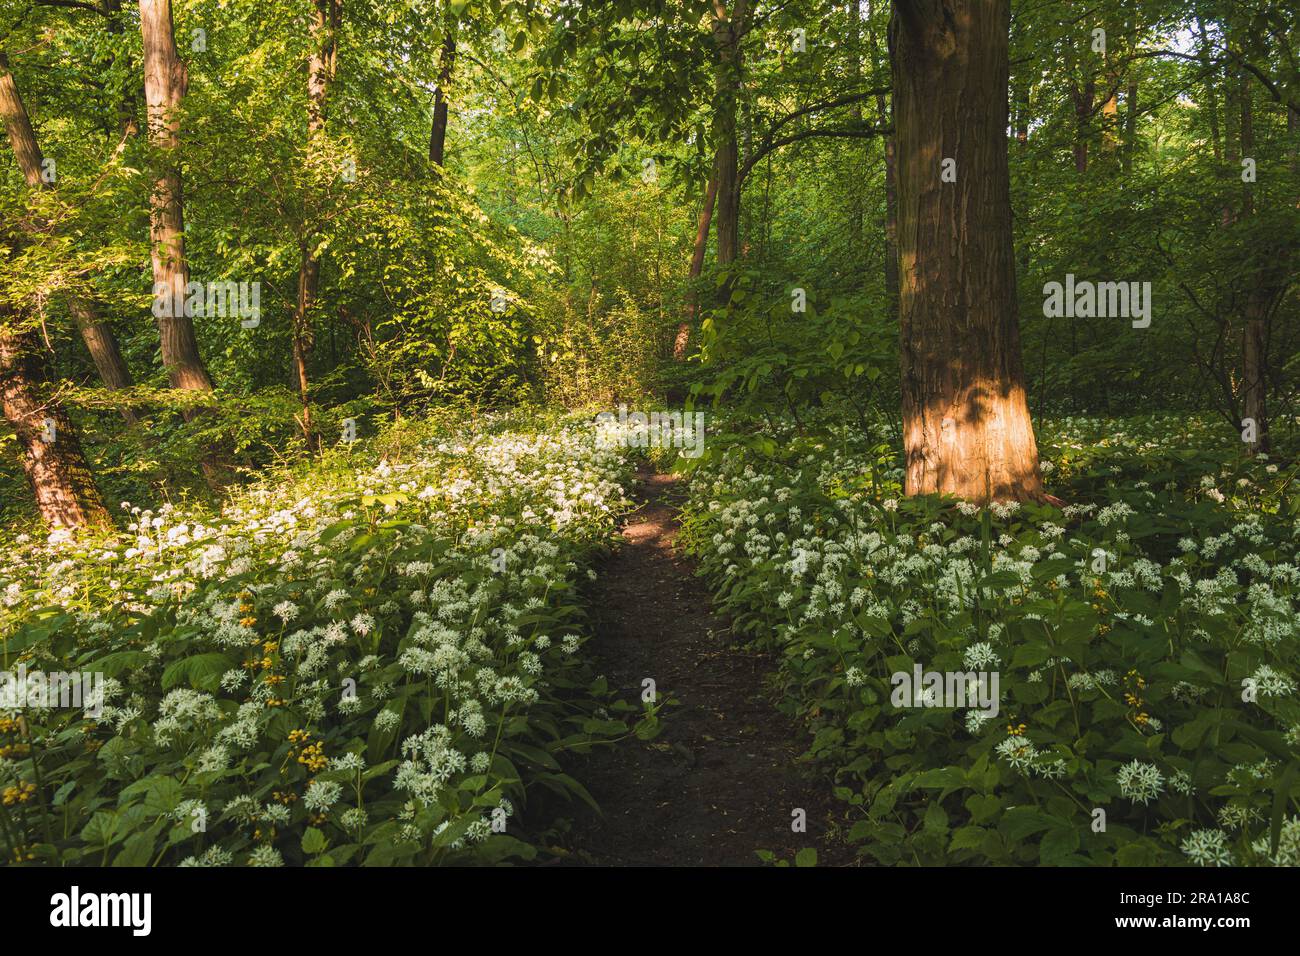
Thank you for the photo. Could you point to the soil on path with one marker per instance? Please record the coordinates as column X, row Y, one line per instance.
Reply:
column 721, row 780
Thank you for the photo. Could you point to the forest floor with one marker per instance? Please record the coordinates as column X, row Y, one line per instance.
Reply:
column 722, row 779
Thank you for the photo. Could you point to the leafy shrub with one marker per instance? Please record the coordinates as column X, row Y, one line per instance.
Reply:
column 1145, row 639
column 376, row 663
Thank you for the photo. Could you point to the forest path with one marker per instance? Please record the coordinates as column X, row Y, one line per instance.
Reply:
column 721, row 779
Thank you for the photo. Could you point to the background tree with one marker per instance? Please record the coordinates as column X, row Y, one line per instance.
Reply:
column 53, row 461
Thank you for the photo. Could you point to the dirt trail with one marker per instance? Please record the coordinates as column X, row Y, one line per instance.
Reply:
column 721, row 780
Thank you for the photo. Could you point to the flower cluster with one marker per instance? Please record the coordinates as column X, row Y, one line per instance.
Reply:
column 360, row 664
column 1145, row 636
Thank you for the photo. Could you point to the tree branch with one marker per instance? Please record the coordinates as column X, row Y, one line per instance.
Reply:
column 827, row 105
column 73, row 5
column 771, row 145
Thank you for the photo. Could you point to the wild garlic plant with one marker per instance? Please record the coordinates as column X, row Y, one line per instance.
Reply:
column 377, row 663
column 1145, row 637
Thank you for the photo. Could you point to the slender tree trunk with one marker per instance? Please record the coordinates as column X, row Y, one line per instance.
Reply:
column 1083, row 107
column 53, row 460
column 1259, row 303
column 18, row 125
column 1211, row 98
column 321, row 68
column 697, row 267
column 95, row 332
column 165, row 81
column 1130, row 122
column 446, row 69
column 98, row 335
column 726, row 35
column 104, row 351
column 1254, row 404
column 857, row 217
column 891, row 227
column 1231, row 135
column 890, row 145
column 966, row 425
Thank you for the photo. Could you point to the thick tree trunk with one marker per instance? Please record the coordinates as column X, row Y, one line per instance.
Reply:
column 165, row 81
column 321, row 68
column 446, row 70
column 55, row 465
column 966, row 426
column 697, row 267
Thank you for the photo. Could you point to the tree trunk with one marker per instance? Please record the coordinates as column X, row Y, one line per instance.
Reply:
column 321, row 68
column 1083, row 107
column 98, row 336
column 853, row 11
column 697, row 267
column 884, row 113
column 1130, row 121
column 55, row 465
column 1254, row 357
column 1259, row 302
column 104, row 351
column 1211, row 100
column 966, row 425
column 22, row 138
column 726, row 36
column 891, row 228
column 446, row 69
column 165, row 81
column 62, row 485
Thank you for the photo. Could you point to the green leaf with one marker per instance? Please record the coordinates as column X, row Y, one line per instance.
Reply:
column 136, row 851
column 1058, row 844
column 1020, row 822
column 313, row 841
column 202, row 671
